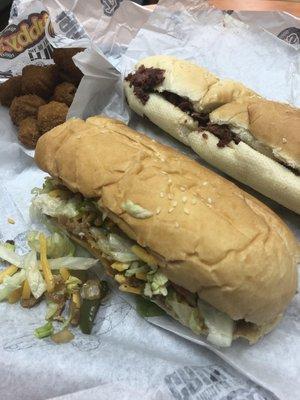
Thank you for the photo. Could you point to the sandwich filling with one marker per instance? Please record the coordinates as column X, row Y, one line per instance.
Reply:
column 145, row 81
column 134, row 268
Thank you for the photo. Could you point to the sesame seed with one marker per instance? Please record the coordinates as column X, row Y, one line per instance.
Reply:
column 176, row 224
column 164, row 172
column 194, row 201
column 169, row 180
column 186, row 211
column 170, row 196
column 284, row 140
column 183, row 188
column 171, row 209
column 184, row 199
column 204, row 183
column 162, row 194
column 174, row 203
column 279, row 148
column 162, row 159
column 209, row 200
column 209, row 205
column 158, row 210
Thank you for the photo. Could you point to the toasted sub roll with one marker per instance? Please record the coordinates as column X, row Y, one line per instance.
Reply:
column 253, row 140
column 193, row 242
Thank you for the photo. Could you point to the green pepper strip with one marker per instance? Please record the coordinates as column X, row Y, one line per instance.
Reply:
column 89, row 309
column 44, row 331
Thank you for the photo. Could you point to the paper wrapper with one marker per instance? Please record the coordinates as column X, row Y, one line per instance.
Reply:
column 30, row 36
column 126, row 357
column 247, row 53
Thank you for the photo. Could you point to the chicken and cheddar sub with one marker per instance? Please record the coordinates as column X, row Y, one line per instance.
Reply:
column 253, row 140
column 211, row 255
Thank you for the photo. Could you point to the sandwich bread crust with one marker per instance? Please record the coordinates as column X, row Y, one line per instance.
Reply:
column 270, row 129
column 207, row 235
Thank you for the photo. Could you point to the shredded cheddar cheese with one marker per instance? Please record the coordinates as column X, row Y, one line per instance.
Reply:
column 26, row 292
column 8, row 271
column 120, row 278
column 45, row 265
column 130, row 289
column 15, row 296
column 65, row 274
column 144, row 255
column 119, row 266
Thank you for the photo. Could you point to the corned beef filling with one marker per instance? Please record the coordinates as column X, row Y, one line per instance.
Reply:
column 144, row 82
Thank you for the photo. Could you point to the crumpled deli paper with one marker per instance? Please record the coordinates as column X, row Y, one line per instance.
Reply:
column 125, row 357
column 231, row 49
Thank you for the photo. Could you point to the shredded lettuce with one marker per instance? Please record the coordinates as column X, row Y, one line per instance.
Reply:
column 135, row 210
column 10, row 246
column 73, row 283
column 58, row 245
column 156, row 284
column 220, row 325
column 33, row 275
column 54, row 206
column 48, row 185
column 187, row 315
column 11, row 283
column 136, row 268
column 120, row 248
column 74, row 263
column 9, row 255
column 113, row 245
column 51, row 310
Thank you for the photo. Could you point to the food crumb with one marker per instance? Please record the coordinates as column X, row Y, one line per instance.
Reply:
column 205, row 136
column 11, row 221
column 184, row 199
column 284, row 140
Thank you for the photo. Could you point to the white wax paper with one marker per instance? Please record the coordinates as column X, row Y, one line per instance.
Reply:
column 126, row 357
column 247, row 53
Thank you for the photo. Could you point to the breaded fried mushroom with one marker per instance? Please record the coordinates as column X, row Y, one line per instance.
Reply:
column 10, row 89
column 25, row 106
column 68, row 70
column 51, row 115
column 40, row 80
column 64, row 93
column 28, row 132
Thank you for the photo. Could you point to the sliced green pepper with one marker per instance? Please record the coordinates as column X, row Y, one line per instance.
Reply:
column 146, row 308
column 44, row 331
column 88, row 312
column 93, row 291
